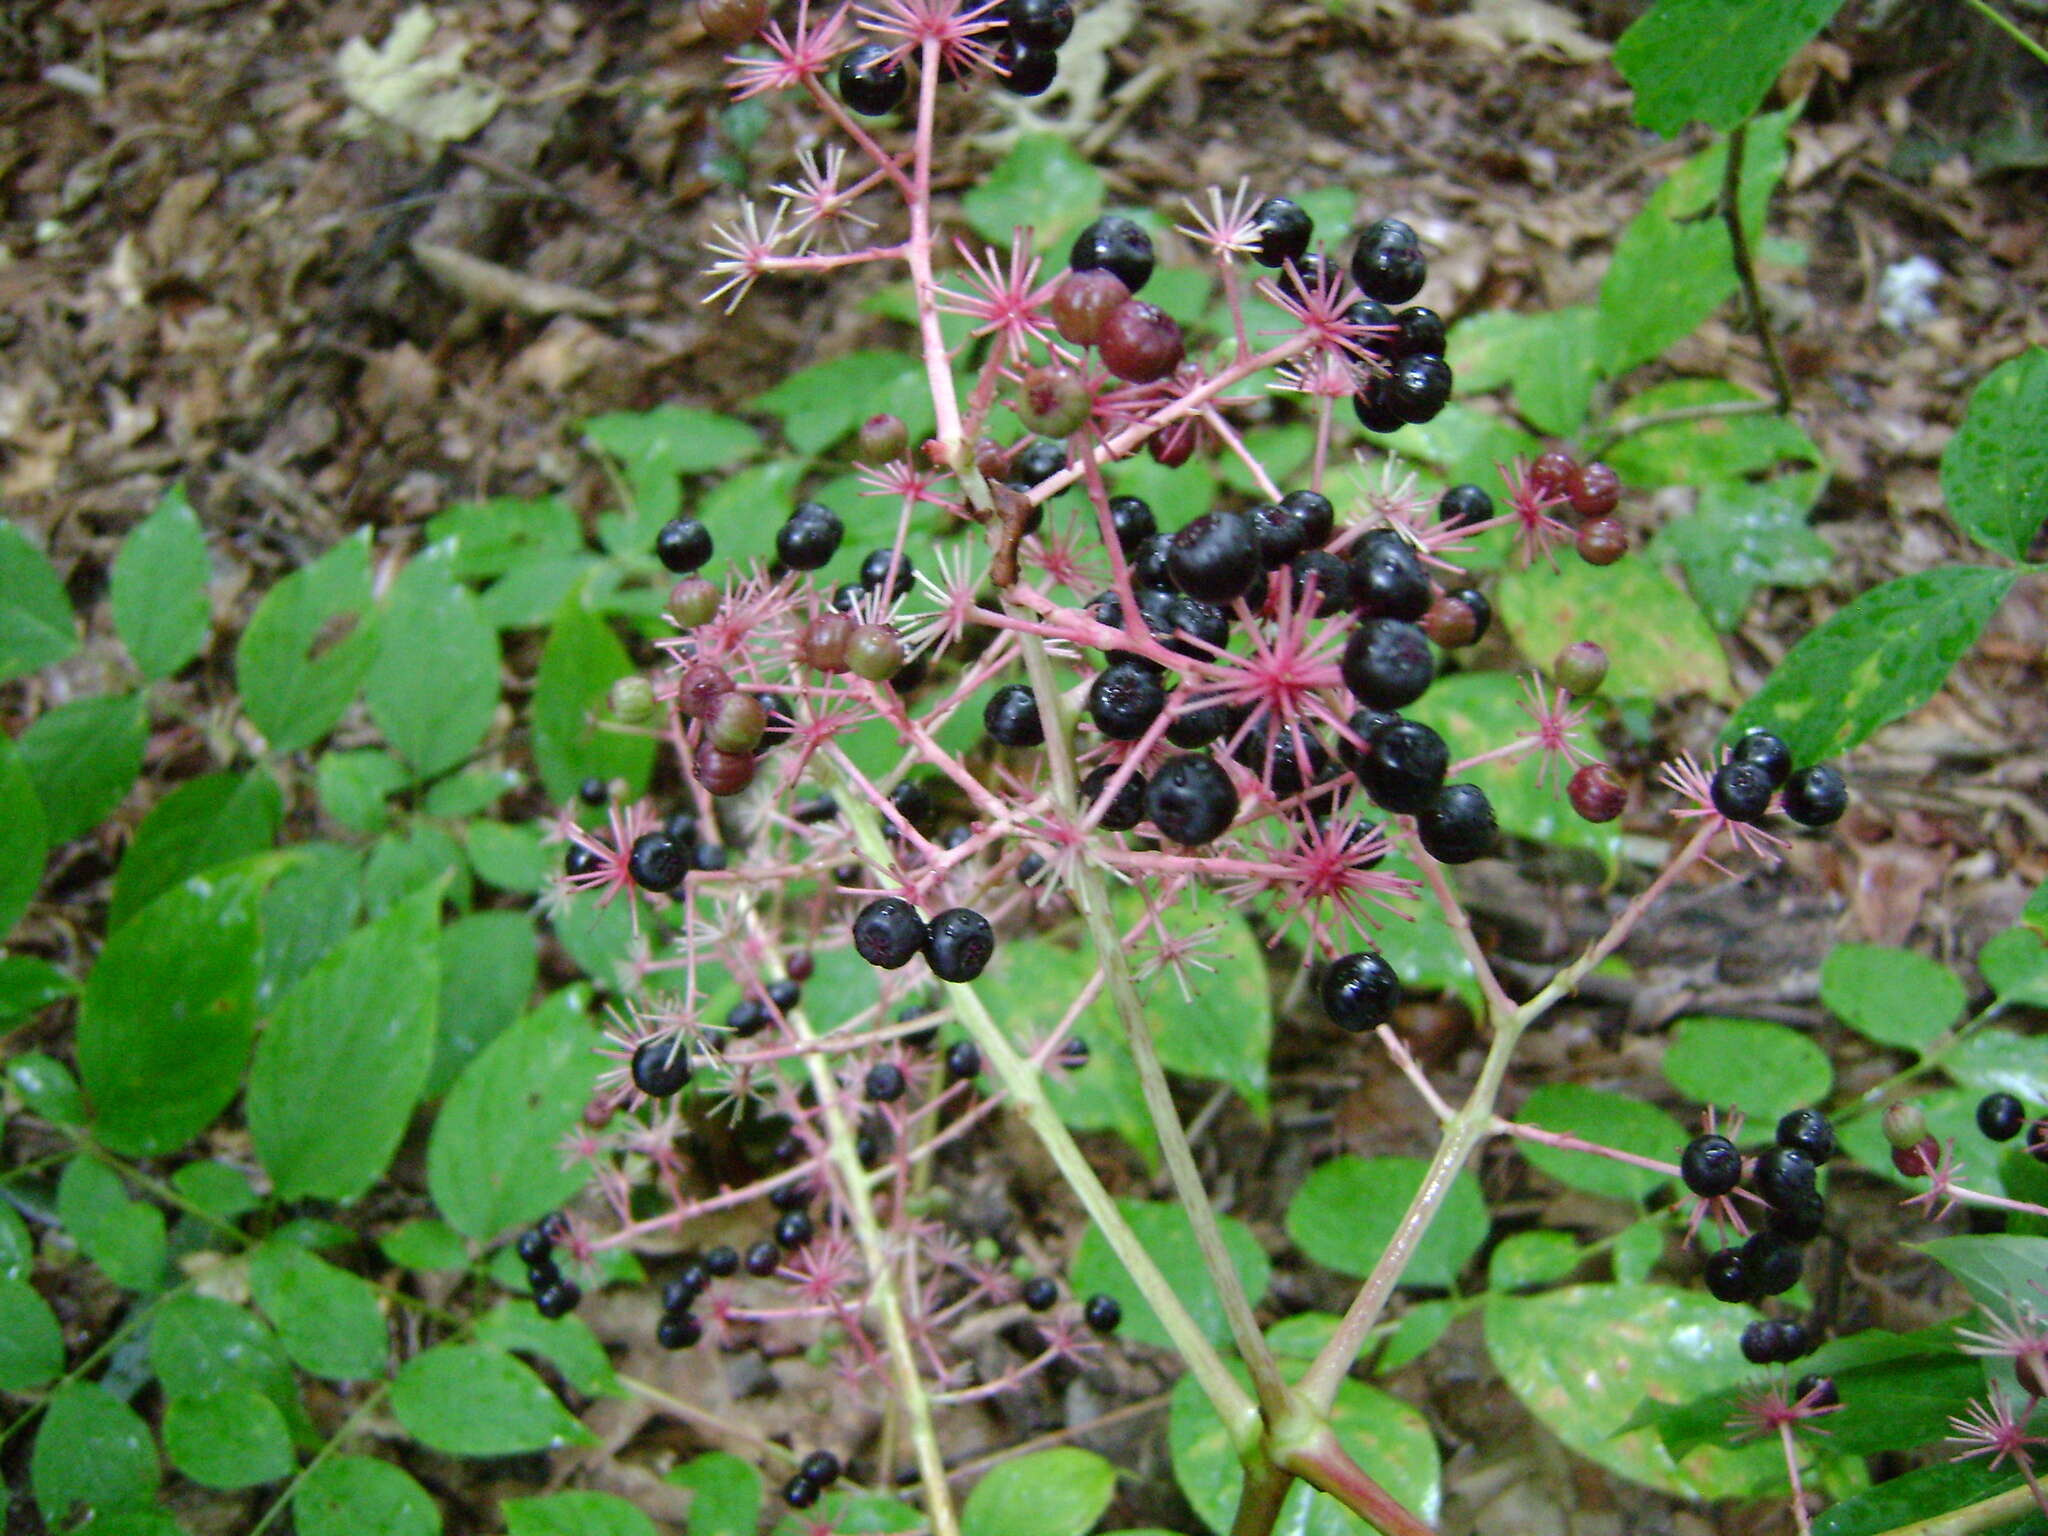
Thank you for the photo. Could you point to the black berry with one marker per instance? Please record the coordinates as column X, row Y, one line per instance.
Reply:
column 1284, row 231
column 1710, row 1166
column 1816, row 1391
column 874, row 570
column 1131, row 518
column 959, row 944
column 1126, row 810
column 678, row 1330
column 1741, row 791
column 1195, row 628
column 1799, row 1217
column 682, row 545
column 657, row 863
column 1768, row 751
column 1808, row 1131
column 1215, row 557
column 871, row 82
column 533, row 1246
column 1038, row 460
column 1011, row 717
column 1026, row 69
column 1114, row 244
column 800, row 1492
column 1387, row 663
column 1198, row 727
column 1318, row 517
column 558, row 1300
column 1279, row 533
column 1419, row 388
column 884, row 1083
column 1463, row 505
column 1387, row 578
column 1816, row 797
column 661, row 1065
column 822, row 1467
column 2000, row 1116
column 810, row 538
column 763, row 1259
column 1387, row 263
column 722, row 1261
column 1403, row 767
column 592, row 791
column 1124, row 700
column 888, row 933
column 963, row 1061
column 1102, row 1313
column 1359, row 991
column 1191, row 800
column 1774, row 1263
column 1728, row 1276
column 580, row 861
column 1333, row 589
column 1782, row 1176
column 794, row 1229
column 1041, row 1293
column 1421, row 333
column 1374, row 408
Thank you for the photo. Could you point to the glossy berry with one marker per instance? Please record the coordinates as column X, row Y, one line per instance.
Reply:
column 1025, row 69
column 1359, row 991
column 534, row 1245
column 794, row 1229
column 1728, row 1276
column 1279, row 534
column 883, row 437
column 688, row 1285
column 1602, row 541
column 1807, row 1132
column 1044, row 24
column 1140, row 343
column 1149, row 568
column 1115, row 244
column 1594, row 489
column 1772, row 1341
column 1283, row 229
column 1191, row 800
column 884, row 1083
column 1041, row 1293
column 871, row 82
column 762, row 1259
column 1766, row 750
column 1459, row 826
column 678, row 1330
column 963, row 1061
column 722, row 1260
column 1387, row 663
column 875, row 652
column 1710, row 1166
column 657, row 862
column 1102, row 1313
column 1551, row 474
column 748, row 1017
column 1387, row 578
column 810, row 538
column 580, row 860
column 800, row 1492
column 1083, row 302
column 1011, row 717
column 1387, row 263
column 821, row 1467
column 1038, row 460
column 592, row 791
column 1318, row 518
column 1580, row 668
column 1464, row 505
column 1783, row 1175
column 542, row 1275
column 1774, row 1263
column 1403, row 767
column 682, row 545
column 1215, row 557
column 1126, row 810
column 2000, row 1116
column 823, row 642
column 1419, row 388
column 1375, row 410
column 1333, row 591
column 1131, row 518
column 558, row 1300
column 661, row 1066
column 1198, row 727
column 1195, row 628
column 1596, row 793
column 874, row 570
column 1305, row 275
column 1458, row 618
column 1421, row 334
column 914, row 803
column 960, row 944
column 1074, row 1053
column 1741, row 791
column 888, row 933
column 1124, row 700
column 1816, row 796
column 1799, row 1218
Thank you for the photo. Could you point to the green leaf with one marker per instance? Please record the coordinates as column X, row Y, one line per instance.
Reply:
column 212, row 820
column 2015, row 963
column 1424, row 953
column 199, row 1345
column 356, row 1030
column 47, row 1087
column 2001, row 1061
column 510, row 857
column 36, row 626
column 31, row 1344
column 361, row 1496
column 1549, row 358
column 582, row 660
column 566, row 1343
column 1998, row 1271
column 1177, row 495
column 1760, row 1068
column 473, row 1400
column 434, row 682
column 1421, row 1325
column 29, row 985
column 854, row 1514
column 221, row 1191
column 425, row 1244
column 506, row 533
column 168, row 1014
column 230, row 1439
column 489, row 961
column 1995, row 470
column 1915, row 1497
column 1674, row 264
column 306, row 913
column 1223, row 1028
column 1583, row 1359
column 1346, row 1212
column 1525, row 1259
column 159, row 587
column 17, row 1248
column 1707, row 448
column 24, row 836
column 308, row 647
column 1045, row 183
column 728, row 1494
column 1744, row 535
column 576, row 1514
column 1892, row 996
column 1637, row 1251
column 1881, row 657
column 527, row 597
column 491, row 1161
column 124, row 1237
column 353, row 786
column 1463, row 443
column 1609, row 1119
column 1712, row 61
column 1060, row 1492
column 422, row 858
column 92, row 1450
column 82, row 758
column 654, row 450
column 820, row 404
column 471, row 792
column 328, row 1319
column 1380, row 1432
column 1659, row 641
column 1165, row 1233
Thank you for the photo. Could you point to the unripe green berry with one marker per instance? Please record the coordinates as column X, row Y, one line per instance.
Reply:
column 1581, row 668
column 1055, row 400
column 1905, row 1127
column 632, row 700
column 875, row 652
column 693, row 602
column 737, row 723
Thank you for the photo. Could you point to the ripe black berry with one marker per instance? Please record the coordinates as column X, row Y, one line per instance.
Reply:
column 687, row 1286
column 1190, row 800
column 1359, row 991
column 1304, row 276
column 661, row 1065
column 1773, row 1341
column 1333, row 589
column 1768, row 751
column 1421, row 333
column 1114, row 244
column 1403, row 767
column 1387, row 663
column 682, row 545
column 1419, row 387
column 810, row 538
column 960, row 944
column 1783, row 1176
column 1102, row 1313
column 1215, row 557
column 1710, row 1166
column 533, row 1245
column 1808, row 1131
column 1124, row 700
column 1800, row 1218
column 1459, row 826
column 1284, row 231
column 796, row 1193
column 800, row 1492
column 1741, row 791
column 963, row 1061
column 794, row 1229
column 722, row 1261
column 1387, row 578
column 1198, row 727
column 1040, row 459
column 748, row 1017
column 592, row 791
column 558, row 1300
column 821, row 1467
column 1025, row 68
column 884, row 1083
column 786, row 993
column 1463, row 505
column 2000, row 1116
column 1011, row 717
column 871, row 82
column 914, row 804
column 678, row 1330
column 580, row 861
column 1279, row 534
column 542, row 1275
column 1041, row 1293
column 1375, row 410
column 1816, row 796
column 1045, row 24
column 1318, row 517
column 1387, row 264
column 1195, row 628
column 1728, row 1276
column 1126, row 810
column 1149, row 567
column 657, row 863
column 763, row 1259
column 1074, row 1054
column 888, row 933
column 1774, row 1263
column 874, row 570
column 1132, row 520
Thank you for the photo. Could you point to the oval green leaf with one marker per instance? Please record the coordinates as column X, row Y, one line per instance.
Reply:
column 36, row 626
column 1346, row 1211
column 328, row 1319
column 230, row 1439
column 1660, row 642
column 355, row 1495
column 582, row 660
column 1995, row 470
column 473, row 1400
column 92, row 1454
column 24, row 836
column 124, row 1237
column 1892, row 996
column 1607, row 1120
column 1711, row 61
column 211, row 820
column 1760, row 1068
column 577, row 1513
column 159, row 587
column 83, row 757
column 1060, row 1492
column 433, row 715
column 308, row 647
column 31, row 1344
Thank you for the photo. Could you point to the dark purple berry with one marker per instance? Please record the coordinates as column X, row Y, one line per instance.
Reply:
column 1198, row 727
column 1124, row 700
column 1359, row 991
column 1038, row 460
column 884, row 1083
column 800, row 1492
column 1782, row 1176
column 1728, row 1276
column 580, row 861
column 763, row 1259
column 661, row 1065
column 1126, row 810
column 1041, row 1293
column 722, row 1261
column 960, row 944
column 822, row 1467
column 871, row 82
column 1710, row 1166
column 1816, row 797
column 657, row 863
column 1318, row 517
column 1114, row 244
column 1387, row 663
column 534, row 1246
column 1025, row 69
column 1191, row 800
column 592, row 791
column 1463, row 505
column 1767, row 750
column 874, row 570
column 1808, row 1131
column 1011, row 717
column 794, row 1229
column 1279, row 534
column 1284, row 231
column 888, row 933
column 1459, row 825
column 2000, row 1116
column 1387, row 578
column 1421, row 334
column 1387, row 263
column 963, row 1061
column 1741, row 791
column 1131, row 518
column 1215, row 557
column 1333, row 589
column 1774, row 1263
column 1403, row 767
column 1419, row 388
column 1102, row 1313
column 810, row 538
column 682, row 545
column 678, row 1330
column 558, row 1300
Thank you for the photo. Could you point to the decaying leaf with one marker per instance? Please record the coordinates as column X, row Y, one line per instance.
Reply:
column 406, row 84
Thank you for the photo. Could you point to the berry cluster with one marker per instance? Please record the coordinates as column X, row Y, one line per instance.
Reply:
column 1784, row 1180
column 553, row 1296
column 1759, row 777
